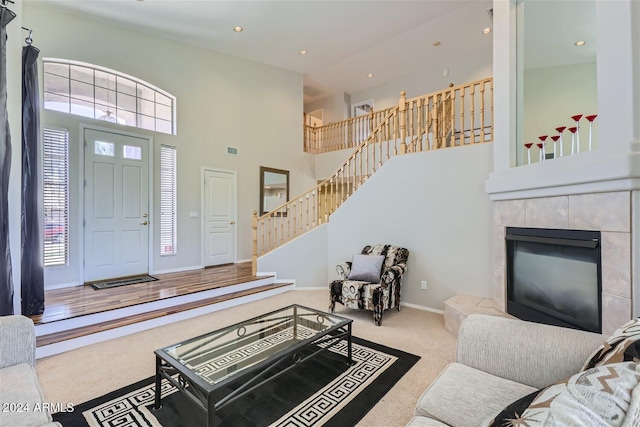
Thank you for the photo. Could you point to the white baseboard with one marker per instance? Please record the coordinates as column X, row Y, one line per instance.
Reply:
column 243, row 260
column 421, row 307
column 177, row 270
column 62, row 286
column 311, row 288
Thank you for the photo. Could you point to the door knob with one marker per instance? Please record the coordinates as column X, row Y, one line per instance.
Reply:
column 144, row 223
column 144, row 216
column 232, row 222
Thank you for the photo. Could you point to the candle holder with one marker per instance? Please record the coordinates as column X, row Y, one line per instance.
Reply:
column 560, row 130
column 543, row 138
column 590, row 118
column 540, row 146
column 577, row 118
column 528, row 145
column 555, row 145
column 573, row 139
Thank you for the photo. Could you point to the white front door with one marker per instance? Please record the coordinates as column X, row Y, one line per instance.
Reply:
column 116, row 205
column 219, row 217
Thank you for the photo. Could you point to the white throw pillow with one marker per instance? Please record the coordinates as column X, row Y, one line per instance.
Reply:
column 604, row 396
column 366, row 268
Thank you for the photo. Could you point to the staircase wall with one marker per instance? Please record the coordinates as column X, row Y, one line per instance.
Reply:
column 432, row 203
column 303, row 259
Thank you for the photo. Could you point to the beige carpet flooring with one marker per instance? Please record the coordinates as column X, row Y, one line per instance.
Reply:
column 85, row 373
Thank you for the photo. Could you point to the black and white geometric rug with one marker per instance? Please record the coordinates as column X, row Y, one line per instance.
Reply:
column 321, row 391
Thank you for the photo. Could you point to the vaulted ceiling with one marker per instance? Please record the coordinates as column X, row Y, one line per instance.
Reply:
column 345, row 40
column 348, row 40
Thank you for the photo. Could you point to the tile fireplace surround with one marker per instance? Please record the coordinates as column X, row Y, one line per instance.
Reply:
column 608, row 213
column 568, row 193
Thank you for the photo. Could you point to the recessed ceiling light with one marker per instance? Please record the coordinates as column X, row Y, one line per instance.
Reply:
column 580, row 43
column 486, row 31
column 369, row 76
column 238, row 29
column 436, row 44
column 303, row 52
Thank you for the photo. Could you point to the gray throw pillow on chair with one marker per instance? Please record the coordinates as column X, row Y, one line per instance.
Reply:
column 366, row 268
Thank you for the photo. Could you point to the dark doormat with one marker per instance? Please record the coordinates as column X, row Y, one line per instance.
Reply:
column 106, row 284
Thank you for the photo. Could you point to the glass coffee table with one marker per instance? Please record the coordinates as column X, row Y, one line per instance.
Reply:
column 251, row 352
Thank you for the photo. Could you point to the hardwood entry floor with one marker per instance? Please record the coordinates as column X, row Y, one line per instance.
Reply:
column 77, row 301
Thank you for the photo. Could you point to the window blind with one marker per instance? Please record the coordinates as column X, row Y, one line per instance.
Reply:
column 168, row 198
column 56, row 196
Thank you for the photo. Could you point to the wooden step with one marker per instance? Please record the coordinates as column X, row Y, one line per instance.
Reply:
column 66, row 303
column 57, row 337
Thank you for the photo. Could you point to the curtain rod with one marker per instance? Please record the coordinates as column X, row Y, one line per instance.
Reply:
column 28, row 40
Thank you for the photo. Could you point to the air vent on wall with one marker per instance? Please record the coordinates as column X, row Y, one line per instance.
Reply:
column 232, row 150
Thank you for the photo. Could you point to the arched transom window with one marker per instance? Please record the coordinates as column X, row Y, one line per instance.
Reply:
column 92, row 91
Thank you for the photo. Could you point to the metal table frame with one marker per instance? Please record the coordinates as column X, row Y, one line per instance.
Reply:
column 201, row 392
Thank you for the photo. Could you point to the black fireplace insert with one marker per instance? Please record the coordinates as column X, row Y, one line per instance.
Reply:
column 555, row 277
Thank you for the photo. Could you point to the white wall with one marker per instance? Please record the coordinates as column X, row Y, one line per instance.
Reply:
column 327, row 163
column 303, row 259
column 576, row 86
column 467, row 69
column 334, row 108
column 217, row 99
column 434, row 205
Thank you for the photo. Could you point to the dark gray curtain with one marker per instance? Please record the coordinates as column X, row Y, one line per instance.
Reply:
column 6, row 282
column 32, row 264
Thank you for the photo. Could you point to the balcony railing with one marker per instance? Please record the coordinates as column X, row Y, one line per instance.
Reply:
column 454, row 117
column 347, row 133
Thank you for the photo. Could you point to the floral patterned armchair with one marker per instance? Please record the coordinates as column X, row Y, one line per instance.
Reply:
column 367, row 295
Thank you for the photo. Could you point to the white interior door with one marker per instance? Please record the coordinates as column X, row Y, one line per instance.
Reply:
column 116, row 205
column 219, row 217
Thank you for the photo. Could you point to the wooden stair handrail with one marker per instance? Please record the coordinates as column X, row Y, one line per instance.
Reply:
column 326, row 181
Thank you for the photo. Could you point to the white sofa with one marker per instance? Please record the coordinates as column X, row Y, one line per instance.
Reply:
column 499, row 361
column 20, row 394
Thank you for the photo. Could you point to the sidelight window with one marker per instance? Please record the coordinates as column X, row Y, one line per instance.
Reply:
column 168, row 200
column 56, row 196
